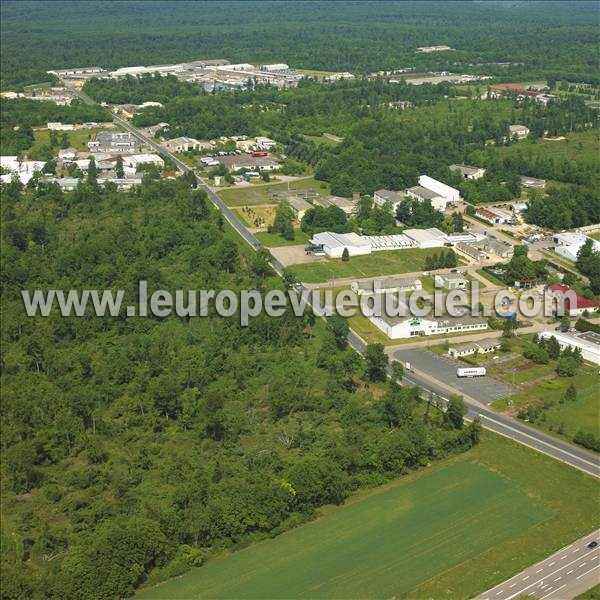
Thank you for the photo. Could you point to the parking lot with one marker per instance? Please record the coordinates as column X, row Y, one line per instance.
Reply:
column 443, row 368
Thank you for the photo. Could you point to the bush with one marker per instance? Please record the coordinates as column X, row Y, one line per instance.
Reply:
column 587, row 440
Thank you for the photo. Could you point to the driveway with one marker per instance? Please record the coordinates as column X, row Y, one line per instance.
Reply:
column 443, row 368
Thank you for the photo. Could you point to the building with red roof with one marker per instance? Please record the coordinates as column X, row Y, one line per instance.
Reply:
column 574, row 304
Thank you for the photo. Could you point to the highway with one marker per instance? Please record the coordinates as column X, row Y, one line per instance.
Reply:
column 564, row 575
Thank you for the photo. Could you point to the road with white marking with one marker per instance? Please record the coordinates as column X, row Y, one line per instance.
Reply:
column 562, row 576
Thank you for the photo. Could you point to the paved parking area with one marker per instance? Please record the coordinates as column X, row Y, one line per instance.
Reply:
column 443, row 368
column 293, row 255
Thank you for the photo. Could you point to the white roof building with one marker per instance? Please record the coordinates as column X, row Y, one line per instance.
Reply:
column 134, row 160
column 333, row 244
column 568, row 244
column 427, row 238
column 588, row 343
column 24, row 170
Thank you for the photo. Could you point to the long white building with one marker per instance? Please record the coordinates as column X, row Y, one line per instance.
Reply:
column 588, row 343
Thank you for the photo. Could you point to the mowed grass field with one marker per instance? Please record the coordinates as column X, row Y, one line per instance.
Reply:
column 274, row 240
column 451, row 530
column 259, row 194
column 78, row 138
column 385, row 262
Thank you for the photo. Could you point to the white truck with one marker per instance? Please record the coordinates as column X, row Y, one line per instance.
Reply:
column 470, row 372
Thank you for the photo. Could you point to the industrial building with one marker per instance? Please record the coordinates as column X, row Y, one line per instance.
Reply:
column 468, row 172
column 383, row 197
column 588, row 342
column 484, row 346
column 345, row 204
column 299, row 206
column 568, row 244
column 438, row 193
column 533, row 182
column 333, row 244
column 185, row 144
column 386, row 285
column 493, row 215
column 114, row 142
column 408, row 326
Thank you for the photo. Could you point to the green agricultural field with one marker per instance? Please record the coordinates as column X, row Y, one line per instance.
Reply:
column 274, row 240
column 452, row 530
column 259, row 194
column 386, row 262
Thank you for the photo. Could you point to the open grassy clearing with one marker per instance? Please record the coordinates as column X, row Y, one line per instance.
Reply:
column 322, row 139
column 257, row 216
column 259, row 194
column 274, row 240
column 490, row 277
column 581, row 147
column 78, row 138
column 595, row 235
column 385, row 262
column 453, row 530
column 540, row 385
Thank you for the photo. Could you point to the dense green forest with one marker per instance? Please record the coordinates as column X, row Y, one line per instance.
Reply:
column 19, row 116
column 540, row 40
column 383, row 147
column 136, row 448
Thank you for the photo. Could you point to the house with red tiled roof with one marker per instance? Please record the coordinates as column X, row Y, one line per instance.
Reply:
column 574, row 304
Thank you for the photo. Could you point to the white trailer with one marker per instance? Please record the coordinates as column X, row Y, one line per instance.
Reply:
column 470, row 372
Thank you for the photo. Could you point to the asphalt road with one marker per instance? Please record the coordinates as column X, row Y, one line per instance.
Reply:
column 484, row 389
column 562, row 576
